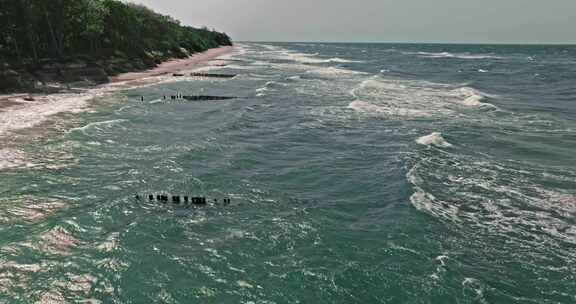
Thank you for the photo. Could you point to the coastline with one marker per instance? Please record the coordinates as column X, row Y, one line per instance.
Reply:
column 173, row 65
column 18, row 114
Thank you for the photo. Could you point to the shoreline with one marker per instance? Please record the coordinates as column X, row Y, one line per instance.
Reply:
column 173, row 65
column 18, row 116
column 45, row 104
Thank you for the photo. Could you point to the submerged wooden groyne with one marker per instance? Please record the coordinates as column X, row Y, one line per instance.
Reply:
column 212, row 75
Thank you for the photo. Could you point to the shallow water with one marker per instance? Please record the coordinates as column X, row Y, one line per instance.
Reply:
column 357, row 173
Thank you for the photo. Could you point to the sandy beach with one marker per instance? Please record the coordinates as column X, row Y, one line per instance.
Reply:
column 172, row 66
column 18, row 112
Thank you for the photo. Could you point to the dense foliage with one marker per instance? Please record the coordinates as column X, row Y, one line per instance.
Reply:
column 31, row 30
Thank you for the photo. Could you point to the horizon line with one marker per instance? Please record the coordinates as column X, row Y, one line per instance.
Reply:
column 390, row 42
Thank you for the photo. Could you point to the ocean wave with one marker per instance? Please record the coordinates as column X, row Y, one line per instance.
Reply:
column 261, row 92
column 505, row 199
column 98, row 125
column 208, row 68
column 472, row 97
column 469, row 91
column 333, row 71
column 268, row 86
column 368, row 108
column 415, row 92
column 295, row 56
column 378, row 95
column 434, row 139
column 36, row 112
column 306, row 58
column 294, row 78
column 238, row 67
column 403, row 97
column 341, row 60
column 270, row 47
column 12, row 159
column 455, row 55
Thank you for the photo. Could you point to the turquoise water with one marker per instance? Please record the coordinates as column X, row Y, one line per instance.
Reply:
column 357, row 173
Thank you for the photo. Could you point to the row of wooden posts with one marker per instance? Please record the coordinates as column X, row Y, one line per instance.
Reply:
column 186, row 200
column 179, row 96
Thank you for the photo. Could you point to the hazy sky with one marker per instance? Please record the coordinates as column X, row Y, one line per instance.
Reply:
column 498, row 21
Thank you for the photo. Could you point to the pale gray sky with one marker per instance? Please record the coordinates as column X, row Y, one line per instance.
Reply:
column 467, row 21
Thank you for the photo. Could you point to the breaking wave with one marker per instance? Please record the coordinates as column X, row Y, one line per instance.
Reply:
column 12, row 158
column 472, row 97
column 434, row 139
column 100, row 125
column 413, row 98
column 523, row 207
column 311, row 58
column 372, row 109
column 333, row 71
column 455, row 55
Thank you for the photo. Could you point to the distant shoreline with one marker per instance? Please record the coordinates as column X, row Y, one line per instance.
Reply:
column 18, row 114
column 570, row 44
column 73, row 75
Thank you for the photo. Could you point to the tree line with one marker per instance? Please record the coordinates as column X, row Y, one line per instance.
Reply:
column 31, row 30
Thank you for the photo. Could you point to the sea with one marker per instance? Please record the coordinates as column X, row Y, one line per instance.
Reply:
column 339, row 173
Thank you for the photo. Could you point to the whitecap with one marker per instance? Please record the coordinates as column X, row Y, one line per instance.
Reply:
column 474, row 100
column 332, row 71
column 244, row 284
column 455, row 55
column 340, row 60
column 294, row 78
column 369, row 108
column 97, row 124
column 471, row 97
column 434, row 139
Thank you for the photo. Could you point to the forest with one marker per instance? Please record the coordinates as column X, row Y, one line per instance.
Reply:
column 33, row 30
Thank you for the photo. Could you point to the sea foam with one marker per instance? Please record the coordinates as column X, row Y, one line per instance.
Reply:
column 368, row 108
column 471, row 97
column 455, row 55
column 434, row 139
column 97, row 125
